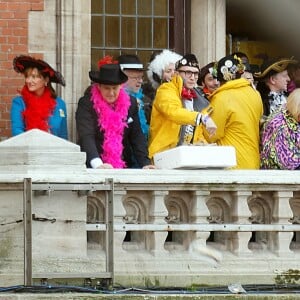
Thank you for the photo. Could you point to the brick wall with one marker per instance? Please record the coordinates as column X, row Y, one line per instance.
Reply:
column 13, row 42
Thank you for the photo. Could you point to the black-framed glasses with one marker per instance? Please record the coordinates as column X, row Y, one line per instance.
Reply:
column 188, row 74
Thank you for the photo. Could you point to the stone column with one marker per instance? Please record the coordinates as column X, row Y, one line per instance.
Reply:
column 157, row 214
column 282, row 214
column 240, row 215
column 208, row 30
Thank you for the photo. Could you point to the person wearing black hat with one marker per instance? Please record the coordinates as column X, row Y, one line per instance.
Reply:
column 237, row 109
column 107, row 122
column 273, row 80
column 37, row 106
column 177, row 112
column 131, row 65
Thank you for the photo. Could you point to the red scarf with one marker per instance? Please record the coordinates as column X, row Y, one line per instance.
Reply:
column 38, row 109
column 188, row 94
column 112, row 122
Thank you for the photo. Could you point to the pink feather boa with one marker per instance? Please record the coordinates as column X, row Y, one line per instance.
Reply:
column 112, row 123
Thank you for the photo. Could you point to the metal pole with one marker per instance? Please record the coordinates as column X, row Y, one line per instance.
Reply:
column 27, row 195
column 110, row 230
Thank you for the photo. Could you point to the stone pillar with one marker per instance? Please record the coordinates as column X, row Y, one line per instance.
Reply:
column 199, row 214
column 208, row 30
column 282, row 214
column 119, row 214
column 157, row 214
column 58, row 214
column 240, row 215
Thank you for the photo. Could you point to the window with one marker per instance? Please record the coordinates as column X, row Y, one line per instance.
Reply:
column 136, row 27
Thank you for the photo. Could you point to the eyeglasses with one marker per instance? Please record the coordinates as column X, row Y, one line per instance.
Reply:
column 188, row 74
column 136, row 78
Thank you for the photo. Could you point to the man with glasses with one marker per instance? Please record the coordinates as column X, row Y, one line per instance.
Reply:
column 177, row 113
column 131, row 65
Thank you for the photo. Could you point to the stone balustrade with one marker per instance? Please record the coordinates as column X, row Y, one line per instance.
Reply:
column 170, row 227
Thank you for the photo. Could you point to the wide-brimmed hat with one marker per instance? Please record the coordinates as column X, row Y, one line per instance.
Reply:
column 189, row 60
column 229, row 67
column 130, row 62
column 108, row 74
column 273, row 66
column 23, row 62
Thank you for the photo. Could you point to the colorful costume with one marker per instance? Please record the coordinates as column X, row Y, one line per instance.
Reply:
column 280, row 142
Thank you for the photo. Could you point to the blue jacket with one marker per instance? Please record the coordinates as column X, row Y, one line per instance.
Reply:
column 57, row 122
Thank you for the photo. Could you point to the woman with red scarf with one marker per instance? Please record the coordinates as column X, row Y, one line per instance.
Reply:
column 37, row 106
column 108, row 124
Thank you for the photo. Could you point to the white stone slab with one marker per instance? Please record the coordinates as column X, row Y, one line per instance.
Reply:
column 196, row 157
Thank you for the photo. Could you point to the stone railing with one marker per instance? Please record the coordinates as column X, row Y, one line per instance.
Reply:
column 167, row 227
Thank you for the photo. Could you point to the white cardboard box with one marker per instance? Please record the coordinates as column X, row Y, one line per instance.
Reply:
column 196, row 157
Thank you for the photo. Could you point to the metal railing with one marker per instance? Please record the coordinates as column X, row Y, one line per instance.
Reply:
column 28, row 188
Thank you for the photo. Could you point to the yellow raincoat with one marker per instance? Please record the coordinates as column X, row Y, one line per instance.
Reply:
column 237, row 109
column 167, row 116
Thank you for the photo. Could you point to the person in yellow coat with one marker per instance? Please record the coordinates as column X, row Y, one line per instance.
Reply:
column 177, row 113
column 237, row 110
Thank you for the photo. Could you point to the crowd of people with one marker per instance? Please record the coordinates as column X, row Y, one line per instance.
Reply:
column 123, row 120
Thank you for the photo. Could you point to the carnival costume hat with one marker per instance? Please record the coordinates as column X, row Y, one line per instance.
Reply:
column 208, row 69
column 189, row 60
column 158, row 63
column 23, row 62
column 130, row 62
column 228, row 68
column 108, row 74
column 273, row 66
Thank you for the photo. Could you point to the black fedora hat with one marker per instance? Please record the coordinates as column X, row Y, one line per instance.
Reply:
column 130, row 62
column 23, row 62
column 108, row 74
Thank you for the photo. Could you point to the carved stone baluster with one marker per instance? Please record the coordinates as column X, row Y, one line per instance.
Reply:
column 119, row 215
column 240, row 215
column 157, row 214
column 199, row 214
column 282, row 214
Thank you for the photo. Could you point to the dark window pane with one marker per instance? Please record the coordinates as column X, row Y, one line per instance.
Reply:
column 96, row 55
column 128, row 7
column 112, row 25
column 161, row 7
column 97, row 6
column 144, row 30
column 160, row 33
column 144, row 7
column 97, row 29
column 112, row 7
column 128, row 32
